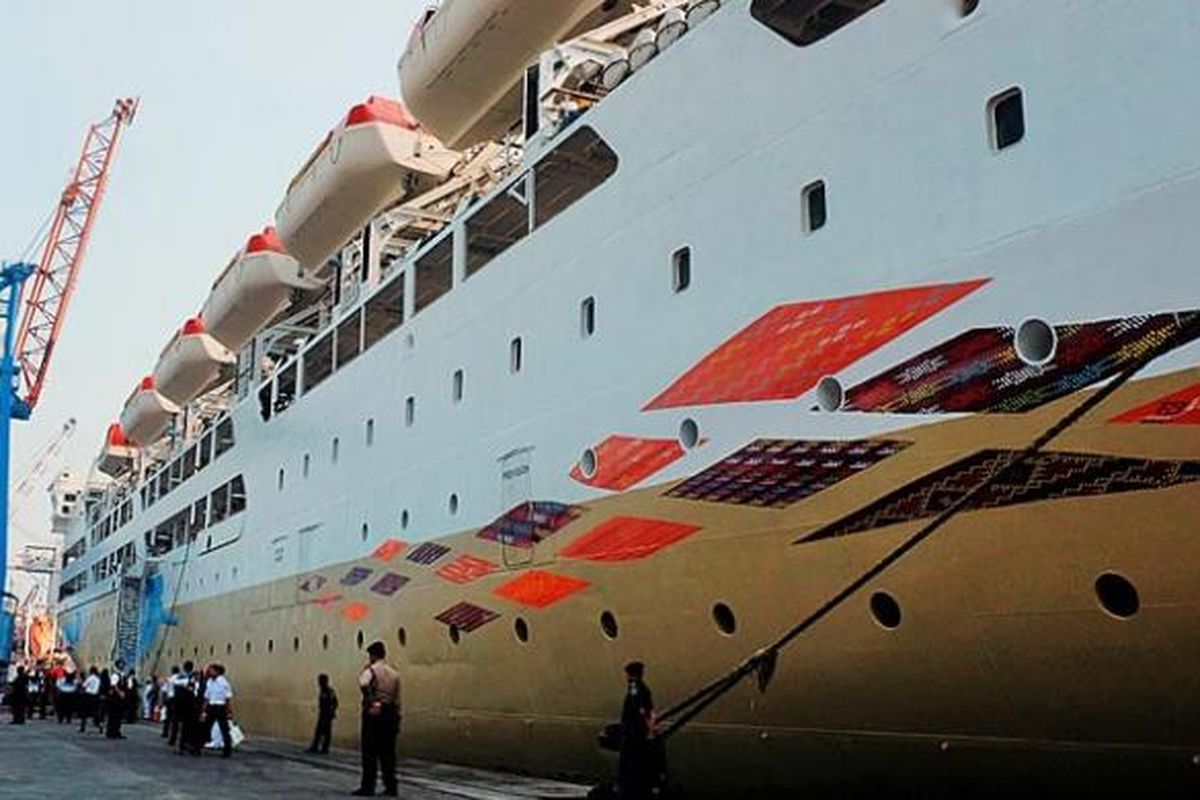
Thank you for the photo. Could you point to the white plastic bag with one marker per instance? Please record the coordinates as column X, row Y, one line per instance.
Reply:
column 235, row 733
column 214, row 736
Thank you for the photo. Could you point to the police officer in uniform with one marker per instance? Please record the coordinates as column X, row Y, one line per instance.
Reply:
column 380, row 685
column 635, row 769
column 186, row 710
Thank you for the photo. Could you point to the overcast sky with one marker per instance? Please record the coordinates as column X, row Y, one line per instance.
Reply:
column 234, row 93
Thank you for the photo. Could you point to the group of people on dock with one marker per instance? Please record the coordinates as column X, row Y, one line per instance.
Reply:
column 105, row 696
column 195, row 703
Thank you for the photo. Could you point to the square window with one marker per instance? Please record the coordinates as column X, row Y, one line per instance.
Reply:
column 515, row 355
column 587, row 317
column 681, row 269
column 456, row 386
column 1008, row 118
column 410, row 410
column 815, row 211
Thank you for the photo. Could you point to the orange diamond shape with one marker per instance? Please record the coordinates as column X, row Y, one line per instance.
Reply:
column 538, row 588
column 627, row 538
column 389, row 550
column 356, row 612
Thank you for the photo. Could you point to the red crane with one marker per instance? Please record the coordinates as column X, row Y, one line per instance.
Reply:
column 53, row 282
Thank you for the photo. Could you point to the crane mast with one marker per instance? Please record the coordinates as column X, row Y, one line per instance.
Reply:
column 53, row 282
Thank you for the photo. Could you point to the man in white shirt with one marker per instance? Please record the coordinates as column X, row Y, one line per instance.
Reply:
column 167, row 697
column 90, row 701
column 218, row 697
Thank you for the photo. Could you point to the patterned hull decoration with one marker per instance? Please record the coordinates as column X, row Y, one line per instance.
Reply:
column 627, row 539
column 622, row 462
column 1177, row 408
column 327, row 600
column 427, row 553
column 465, row 569
column 787, row 351
column 466, row 616
column 355, row 612
column 539, row 589
column 312, row 583
column 774, row 473
column 1046, row 476
column 389, row 550
column 356, row 575
column 527, row 524
column 389, row 584
column 979, row 370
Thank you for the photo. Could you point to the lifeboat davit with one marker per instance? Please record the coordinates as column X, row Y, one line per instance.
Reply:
column 462, row 71
column 190, row 363
column 374, row 157
column 254, row 287
column 146, row 414
column 116, row 457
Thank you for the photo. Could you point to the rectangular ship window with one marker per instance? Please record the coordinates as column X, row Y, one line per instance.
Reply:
column 569, row 172
column 384, row 312
column 224, row 437
column 237, row 495
column 815, row 210
column 587, row 317
column 410, row 410
column 804, row 22
column 349, row 338
column 318, row 362
column 1007, row 112
column 434, row 274
column 496, row 226
column 285, row 393
column 681, row 269
column 219, row 505
column 515, row 355
column 457, row 385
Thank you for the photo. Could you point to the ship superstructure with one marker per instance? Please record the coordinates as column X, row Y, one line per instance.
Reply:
column 653, row 360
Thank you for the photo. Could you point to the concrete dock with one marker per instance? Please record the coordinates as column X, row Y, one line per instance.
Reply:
column 43, row 759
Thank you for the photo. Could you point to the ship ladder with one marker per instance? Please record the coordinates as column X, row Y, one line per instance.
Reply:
column 762, row 662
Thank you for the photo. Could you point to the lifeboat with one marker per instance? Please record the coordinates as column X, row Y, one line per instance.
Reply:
column 116, row 457
column 190, row 363
column 146, row 414
column 373, row 158
column 462, row 71
column 252, row 289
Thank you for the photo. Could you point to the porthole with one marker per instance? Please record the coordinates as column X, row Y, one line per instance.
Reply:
column 370, row 432
column 334, row 446
column 1035, row 342
column 404, row 519
column 967, row 7
column 885, row 610
column 324, row 641
column 830, row 394
column 724, row 618
column 281, row 479
column 295, row 644
column 521, row 629
column 366, row 531
column 212, row 650
column 358, row 638
column 1117, row 595
column 306, row 462
column 248, row 648
column 457, row 385
column 402, row 637
column 229, row 648
column 588, row 463
column 410, row 411
column 689, row 433
column 270, row 645
column 587, row 317
column 681, row 269
column 515, row 355
column 455, row 634
column 452, row 503
column 608, row 624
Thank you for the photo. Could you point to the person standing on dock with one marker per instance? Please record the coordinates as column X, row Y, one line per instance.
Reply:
column 89, row 700
column 218, row 695
column 18, row 696
column 170, row 729
column 327, row 703
column 635, row 768
column 380, row 685
column 186, row 711
column 64, row 697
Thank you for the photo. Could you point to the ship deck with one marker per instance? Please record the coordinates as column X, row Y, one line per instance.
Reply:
column 46, row 760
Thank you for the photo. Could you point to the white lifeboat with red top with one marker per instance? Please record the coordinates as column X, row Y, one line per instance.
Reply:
column 190, row 363
column 116, row 457
column 462, row 71
column 375, row 157
column 146, row 414
column 252, row 289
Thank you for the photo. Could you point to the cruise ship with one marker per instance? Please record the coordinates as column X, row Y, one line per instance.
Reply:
column 646, row 331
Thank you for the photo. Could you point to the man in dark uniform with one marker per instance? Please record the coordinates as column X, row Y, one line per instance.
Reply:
column 18, row 697
column 186, row 710
column 635, row 767
column 327, row 703
column 380, row 685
